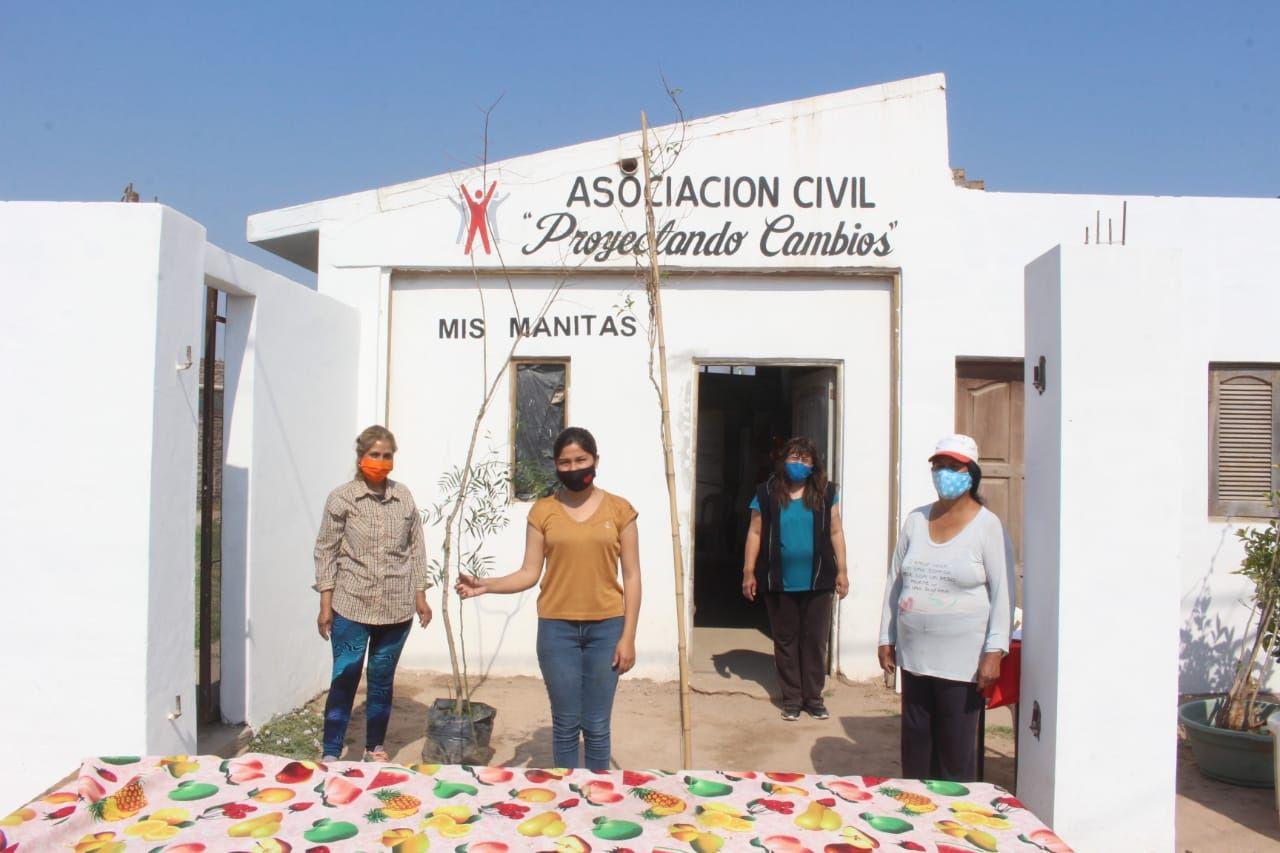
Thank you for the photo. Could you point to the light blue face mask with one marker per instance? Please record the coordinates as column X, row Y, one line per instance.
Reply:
column 798, row 472
column 951, row 484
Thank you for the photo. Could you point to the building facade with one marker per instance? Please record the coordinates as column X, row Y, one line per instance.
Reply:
column 824, row 272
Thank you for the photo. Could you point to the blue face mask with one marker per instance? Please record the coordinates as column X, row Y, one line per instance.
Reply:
column 951, row 484
column 798, row 472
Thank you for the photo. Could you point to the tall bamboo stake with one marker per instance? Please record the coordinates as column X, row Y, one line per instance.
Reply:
column 668, row 455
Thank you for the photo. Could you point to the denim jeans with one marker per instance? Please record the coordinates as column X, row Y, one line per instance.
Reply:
column 576, row 659
column 350, row 640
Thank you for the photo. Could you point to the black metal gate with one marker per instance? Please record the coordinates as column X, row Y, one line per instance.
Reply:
column 209, row 533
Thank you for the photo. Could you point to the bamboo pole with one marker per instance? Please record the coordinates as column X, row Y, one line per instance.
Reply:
column 668, row 456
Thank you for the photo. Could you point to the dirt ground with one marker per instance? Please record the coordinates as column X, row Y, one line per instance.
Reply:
column 1214, row 816
column 738, row 727
column 734, row 729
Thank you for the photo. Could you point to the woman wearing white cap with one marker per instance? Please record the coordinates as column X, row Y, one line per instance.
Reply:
column 948, row 610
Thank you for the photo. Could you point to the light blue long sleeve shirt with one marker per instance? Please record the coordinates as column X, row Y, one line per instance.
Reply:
column 945, row 604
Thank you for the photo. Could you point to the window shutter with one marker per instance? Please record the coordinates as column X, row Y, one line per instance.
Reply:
column 1244, row 445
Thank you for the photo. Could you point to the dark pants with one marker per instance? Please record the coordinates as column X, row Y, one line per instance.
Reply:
column 576, row 659
column 801, row 625
column 350, row 640
column 939, row 728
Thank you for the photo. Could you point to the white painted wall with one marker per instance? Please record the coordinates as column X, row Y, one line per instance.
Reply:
column 104, row 302
column 961, row 254
column 610, row 393
column 1101, row 615
column 290, row 420
column 1042, row 537
column 170, row 583
column 98, row 624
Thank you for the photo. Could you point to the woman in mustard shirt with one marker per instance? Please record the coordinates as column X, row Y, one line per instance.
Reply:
column 586, row 614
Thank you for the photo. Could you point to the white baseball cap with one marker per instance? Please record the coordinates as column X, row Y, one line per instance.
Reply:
column 957, row 446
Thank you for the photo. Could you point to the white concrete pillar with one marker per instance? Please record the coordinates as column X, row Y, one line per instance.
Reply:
column 1103, row 483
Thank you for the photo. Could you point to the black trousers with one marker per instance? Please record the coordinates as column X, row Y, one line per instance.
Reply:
column 801, row 624
column 939, row 728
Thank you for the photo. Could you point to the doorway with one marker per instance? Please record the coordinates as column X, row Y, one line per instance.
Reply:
column 989, row 406
column 746, row 412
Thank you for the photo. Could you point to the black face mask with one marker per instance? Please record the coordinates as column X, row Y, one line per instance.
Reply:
column 576, row 481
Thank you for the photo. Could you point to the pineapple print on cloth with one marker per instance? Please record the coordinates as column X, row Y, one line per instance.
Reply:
column 265, row 804
column 122, row 805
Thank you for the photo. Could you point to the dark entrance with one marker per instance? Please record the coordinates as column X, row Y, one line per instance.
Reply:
column 745, row 413
column 209, row 530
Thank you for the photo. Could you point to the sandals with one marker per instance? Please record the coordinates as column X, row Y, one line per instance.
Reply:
column 377, row 755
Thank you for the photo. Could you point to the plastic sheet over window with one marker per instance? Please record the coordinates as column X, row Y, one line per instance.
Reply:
column 539, row 418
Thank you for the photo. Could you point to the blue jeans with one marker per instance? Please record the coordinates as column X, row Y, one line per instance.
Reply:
column 349, row 640
column 576, row 659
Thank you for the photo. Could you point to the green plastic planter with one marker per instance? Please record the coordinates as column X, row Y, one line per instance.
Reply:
column 1239, row 758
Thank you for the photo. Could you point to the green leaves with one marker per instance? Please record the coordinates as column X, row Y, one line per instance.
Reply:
column 483, row 513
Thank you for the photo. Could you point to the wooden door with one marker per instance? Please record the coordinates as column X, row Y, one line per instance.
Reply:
column 989, row 408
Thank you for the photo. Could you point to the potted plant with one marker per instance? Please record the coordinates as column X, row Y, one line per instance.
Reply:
column 472, row 507
column 1228, row 733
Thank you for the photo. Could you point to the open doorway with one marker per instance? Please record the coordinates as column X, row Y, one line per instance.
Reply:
column 746, row 411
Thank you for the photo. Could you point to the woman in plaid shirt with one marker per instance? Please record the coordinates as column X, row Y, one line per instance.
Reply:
column 371, row 573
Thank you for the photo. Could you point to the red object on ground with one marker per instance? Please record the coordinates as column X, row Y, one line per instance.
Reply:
column 1005, row 691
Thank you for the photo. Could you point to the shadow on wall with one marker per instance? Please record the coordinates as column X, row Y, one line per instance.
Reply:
column 1207, row 647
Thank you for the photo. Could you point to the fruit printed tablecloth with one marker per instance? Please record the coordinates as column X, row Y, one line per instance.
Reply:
column 266, row 804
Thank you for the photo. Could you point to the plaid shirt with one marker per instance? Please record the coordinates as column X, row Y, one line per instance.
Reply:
column 371, row 552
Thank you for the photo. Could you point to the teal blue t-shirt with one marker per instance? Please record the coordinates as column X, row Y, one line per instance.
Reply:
column 796, row 523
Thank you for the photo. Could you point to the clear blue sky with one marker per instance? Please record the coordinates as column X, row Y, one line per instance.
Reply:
column 223, row 113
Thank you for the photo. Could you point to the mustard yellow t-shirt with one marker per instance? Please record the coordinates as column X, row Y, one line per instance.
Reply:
column 582, row 579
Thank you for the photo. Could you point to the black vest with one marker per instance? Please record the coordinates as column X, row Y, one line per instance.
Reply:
column 769, row 560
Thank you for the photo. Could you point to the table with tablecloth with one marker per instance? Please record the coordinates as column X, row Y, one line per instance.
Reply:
column 270, row 804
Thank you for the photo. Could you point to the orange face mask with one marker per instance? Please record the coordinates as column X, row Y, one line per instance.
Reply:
column 375, row 470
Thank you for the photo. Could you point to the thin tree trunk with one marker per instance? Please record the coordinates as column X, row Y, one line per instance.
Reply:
column 461, row 689
column 668, row 455
column 1253, row 685
column 1235, row 709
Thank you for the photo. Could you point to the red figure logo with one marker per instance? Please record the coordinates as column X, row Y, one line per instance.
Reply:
column 478, row 217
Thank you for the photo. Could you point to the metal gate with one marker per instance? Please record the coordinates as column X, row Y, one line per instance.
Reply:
column 209, row 532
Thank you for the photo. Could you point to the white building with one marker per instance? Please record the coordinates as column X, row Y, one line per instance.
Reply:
column 823, row 245
column 825, row 271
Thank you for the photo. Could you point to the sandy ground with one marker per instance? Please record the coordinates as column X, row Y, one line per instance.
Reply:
column 733, row 729
column 1213, row 816
column 737, row 719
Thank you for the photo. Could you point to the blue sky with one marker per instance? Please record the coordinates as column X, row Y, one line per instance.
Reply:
column 222, row 110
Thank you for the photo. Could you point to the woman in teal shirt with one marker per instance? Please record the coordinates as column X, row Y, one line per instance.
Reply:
column 795, row 558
